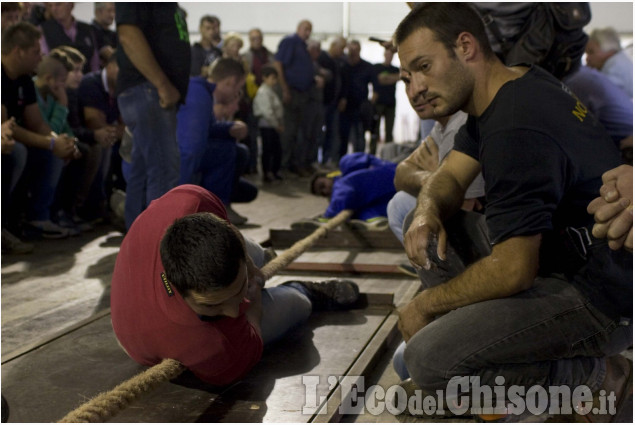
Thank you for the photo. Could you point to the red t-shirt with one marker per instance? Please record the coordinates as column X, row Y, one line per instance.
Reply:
column 151, row 319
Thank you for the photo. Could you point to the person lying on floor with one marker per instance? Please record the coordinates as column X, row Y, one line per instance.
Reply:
column 187, row 286
column 364, row 184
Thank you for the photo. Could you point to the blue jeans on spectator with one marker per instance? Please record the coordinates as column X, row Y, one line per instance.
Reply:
column 547, row 335
column 12, row 167
column 42, row 174
column 398, row 208
column 293, row 140
column 329, row 134
column 243, row 190
column 155, row 162
column 283, row 307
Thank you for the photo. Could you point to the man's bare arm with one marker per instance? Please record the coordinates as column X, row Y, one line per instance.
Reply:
column 441, row 195
column 510, row 268
column 136, row 46
column 412, row 172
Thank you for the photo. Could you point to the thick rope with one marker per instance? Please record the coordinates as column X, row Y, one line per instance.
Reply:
column 106, row 405
column 286, row 258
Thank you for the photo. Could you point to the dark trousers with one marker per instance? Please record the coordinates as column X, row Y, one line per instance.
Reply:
column 271, row 150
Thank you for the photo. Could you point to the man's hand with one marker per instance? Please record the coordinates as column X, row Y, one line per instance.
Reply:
column 426, row 156
column 341, row 106
column 168, row 95
column 412, row 318
column 613, row 209
column 286, row 95
column 59, row 93
column 424, row 228
column 7, row 136
column 64, row 146
column 106, row 136
column 238, row 130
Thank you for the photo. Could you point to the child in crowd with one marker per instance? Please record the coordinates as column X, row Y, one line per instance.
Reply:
column 270, row 114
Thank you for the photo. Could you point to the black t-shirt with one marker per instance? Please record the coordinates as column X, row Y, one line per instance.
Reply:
column 355, row 81
column 542, row 156
column 92, row 93
column 17, row 95
column 385, row 93
column 165, row 29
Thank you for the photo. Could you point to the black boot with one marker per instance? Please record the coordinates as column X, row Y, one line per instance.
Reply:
column 330, row 294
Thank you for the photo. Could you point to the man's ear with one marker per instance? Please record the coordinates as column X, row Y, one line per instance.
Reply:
column 466, row 46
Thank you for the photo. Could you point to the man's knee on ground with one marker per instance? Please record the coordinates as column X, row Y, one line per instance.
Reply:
column 426, row 358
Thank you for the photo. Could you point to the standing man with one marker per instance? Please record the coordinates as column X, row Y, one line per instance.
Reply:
column 208, row 49
column 105, row 37
column 355, row 109
column 561, row 298
column 256, row 57
column 64, row 30
column 295, row 71
column 604, row 52
column 387, row 78
column 152, row 82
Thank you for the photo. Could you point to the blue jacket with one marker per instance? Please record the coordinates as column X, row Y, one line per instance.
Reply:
column 365, row 186
column 197, row 127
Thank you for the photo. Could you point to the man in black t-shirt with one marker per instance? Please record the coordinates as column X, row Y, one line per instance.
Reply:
column 550, row 304
column 153, row 77
column 20, row 56
column 387, row 78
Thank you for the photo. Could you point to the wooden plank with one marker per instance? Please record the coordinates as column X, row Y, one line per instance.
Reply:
column 344, row 238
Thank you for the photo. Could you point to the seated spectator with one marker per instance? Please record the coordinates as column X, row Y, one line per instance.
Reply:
column 64, row 30
column 13, row 162
column 105, row 37
column 604, row 52
column 364, row 184
column 43, row 169
column 11, row 14
column 206, row 51
column 99, row 111
column 20, row 57
column 187, row 286
column 269, row 111
column 207, row 147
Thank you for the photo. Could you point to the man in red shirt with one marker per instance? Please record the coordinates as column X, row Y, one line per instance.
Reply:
column 194, row 292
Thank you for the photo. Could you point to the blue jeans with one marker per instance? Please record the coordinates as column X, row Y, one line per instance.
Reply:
column 547, row 335
column 42, row 173
column 398, row 208
column 283, row 307
column 154, row 168
column 12, row 167
column 294, row 141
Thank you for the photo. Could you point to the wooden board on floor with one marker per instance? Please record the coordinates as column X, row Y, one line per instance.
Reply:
column 343, row 237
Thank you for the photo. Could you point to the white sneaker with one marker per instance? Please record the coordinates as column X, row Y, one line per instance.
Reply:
column 48, row 230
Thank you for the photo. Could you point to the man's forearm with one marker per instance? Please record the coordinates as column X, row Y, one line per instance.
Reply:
column 443, row 193
column 409, row 178
column 511, row 268
column 136, row 46
column 30, row 138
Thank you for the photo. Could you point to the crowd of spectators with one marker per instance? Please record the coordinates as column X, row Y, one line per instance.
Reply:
column 294, row 112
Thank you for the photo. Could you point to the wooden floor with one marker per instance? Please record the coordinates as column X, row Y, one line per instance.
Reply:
column 58, row 348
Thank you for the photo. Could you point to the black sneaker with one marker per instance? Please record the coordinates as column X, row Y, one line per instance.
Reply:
column 330, row 294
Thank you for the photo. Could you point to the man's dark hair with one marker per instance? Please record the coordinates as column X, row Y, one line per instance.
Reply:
column 268, row 70
column 201, row 252
column 21, row 35
column 209, row 18
column 314, row 178
column 225, row 68
column 446, row 21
